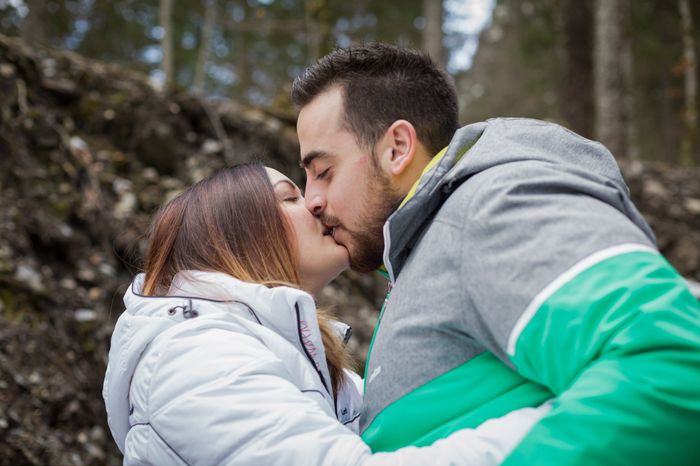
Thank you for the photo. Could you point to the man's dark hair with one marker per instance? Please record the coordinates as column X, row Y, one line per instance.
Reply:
column 380, row 84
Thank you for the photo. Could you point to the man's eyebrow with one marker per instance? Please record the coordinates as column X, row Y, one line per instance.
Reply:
column 311, row 156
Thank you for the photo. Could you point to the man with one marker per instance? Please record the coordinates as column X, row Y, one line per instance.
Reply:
column 520, row 270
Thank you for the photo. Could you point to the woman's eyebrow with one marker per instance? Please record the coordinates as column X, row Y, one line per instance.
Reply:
column 292, row 185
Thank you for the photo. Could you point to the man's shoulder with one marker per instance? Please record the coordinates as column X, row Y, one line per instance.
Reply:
column 472, row 192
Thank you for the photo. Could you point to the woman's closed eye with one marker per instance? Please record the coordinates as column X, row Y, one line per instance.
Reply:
column 286, row 191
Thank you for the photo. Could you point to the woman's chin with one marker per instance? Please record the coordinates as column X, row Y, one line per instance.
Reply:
column 339, row 268
column 339, row 263
column 314, row 285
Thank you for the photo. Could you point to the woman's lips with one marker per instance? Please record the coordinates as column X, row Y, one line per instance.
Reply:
column 328, row 231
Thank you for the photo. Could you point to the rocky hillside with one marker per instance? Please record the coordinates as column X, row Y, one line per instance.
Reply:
column 87, row 152
column 669, row 198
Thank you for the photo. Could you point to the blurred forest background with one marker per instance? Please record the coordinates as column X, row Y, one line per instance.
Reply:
column 108, row 108
column 624, row 72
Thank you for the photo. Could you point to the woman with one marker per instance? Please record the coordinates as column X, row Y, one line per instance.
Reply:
column 221, row 358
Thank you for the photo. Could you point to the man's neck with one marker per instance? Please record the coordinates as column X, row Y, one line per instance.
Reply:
column 429, row 165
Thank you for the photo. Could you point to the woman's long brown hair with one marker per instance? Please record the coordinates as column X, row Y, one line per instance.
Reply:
column 232, row 223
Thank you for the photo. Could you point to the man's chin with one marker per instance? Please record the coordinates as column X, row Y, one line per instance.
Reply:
column 364, row 267
column 366, row 249
column 362, row 262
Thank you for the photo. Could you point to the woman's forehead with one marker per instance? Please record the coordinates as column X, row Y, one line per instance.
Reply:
column 276, row 176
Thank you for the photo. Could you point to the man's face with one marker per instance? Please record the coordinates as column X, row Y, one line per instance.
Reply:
column 344, row 188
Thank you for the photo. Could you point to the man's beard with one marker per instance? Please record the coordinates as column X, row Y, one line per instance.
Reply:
column 366, row 245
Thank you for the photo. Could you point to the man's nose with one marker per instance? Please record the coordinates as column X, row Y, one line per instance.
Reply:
column 314, row 199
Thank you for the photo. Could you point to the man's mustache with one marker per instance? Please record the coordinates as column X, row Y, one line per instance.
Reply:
column 330, row 220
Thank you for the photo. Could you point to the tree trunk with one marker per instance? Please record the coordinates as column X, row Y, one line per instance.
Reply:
column 312, row 33
column 34, row 29
column 200, row 72
column 629, row 86
column 690, row 115
column 323, row 16
column 667, row 130
column 243, row 71
column 578, row 88
column 609, row 84
column 432, row 34
column 242, row 63
column 166, row 43
column 318, row 30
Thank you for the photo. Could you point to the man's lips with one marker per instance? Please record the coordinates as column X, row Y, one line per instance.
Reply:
column 331, row 227
column 331, row 231
column 328, row 231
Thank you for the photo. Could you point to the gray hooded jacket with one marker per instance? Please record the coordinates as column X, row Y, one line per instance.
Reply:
column 479, row 259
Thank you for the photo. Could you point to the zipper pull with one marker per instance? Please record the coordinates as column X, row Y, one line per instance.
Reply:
column 189, row 311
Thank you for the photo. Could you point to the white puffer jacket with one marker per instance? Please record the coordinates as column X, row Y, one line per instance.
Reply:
column 223, row 372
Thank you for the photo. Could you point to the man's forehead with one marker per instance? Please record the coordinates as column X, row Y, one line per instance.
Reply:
column 322, row 114
column 319, row 140
column 329, row 99
column 323, row 132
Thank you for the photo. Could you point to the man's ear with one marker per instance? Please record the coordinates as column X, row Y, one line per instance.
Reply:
column 399, row 148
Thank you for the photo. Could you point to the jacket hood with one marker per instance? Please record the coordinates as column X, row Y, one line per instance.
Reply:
column 289, row 312
column 495, row 143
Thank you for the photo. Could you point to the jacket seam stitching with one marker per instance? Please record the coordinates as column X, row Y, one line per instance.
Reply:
column 351, row 420
column 155, row 431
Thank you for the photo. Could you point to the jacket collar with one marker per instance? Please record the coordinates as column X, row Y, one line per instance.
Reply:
column 438, row 179
column 287, row 311
column 382, row 269
column 432, row 164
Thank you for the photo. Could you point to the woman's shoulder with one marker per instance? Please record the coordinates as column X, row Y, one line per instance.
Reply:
column 198, row 353
column 207, row 335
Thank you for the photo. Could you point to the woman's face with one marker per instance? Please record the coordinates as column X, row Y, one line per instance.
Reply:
column 320, row 259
